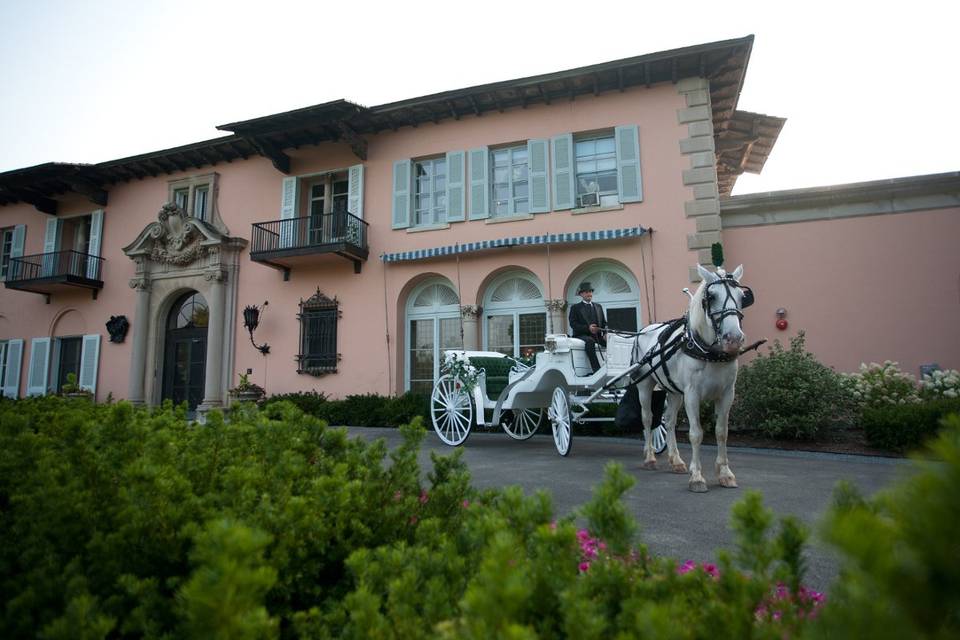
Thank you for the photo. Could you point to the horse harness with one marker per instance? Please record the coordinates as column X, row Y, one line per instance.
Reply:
column 671, row 340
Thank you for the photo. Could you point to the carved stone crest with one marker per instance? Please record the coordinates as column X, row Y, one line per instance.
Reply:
column 176, row 239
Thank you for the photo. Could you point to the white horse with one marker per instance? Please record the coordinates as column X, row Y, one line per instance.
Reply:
column 700, row 364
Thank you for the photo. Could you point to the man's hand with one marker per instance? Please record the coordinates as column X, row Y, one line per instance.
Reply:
column 594, row 328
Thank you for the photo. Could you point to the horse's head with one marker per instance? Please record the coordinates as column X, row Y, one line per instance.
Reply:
column 716, row 308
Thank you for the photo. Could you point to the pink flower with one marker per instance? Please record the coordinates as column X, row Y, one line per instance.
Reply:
column 711, row 569
column 686, row 567
column 424, row 497
column 413, row 519
column 465, row 503
column 584, row 566
column 397, row 495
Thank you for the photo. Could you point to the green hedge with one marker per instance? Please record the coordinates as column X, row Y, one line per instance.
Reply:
column 118, row 522
column 367, row 410
column 904, row 427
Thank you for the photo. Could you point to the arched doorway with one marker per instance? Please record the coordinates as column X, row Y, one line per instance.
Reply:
column 515, row 316
column 616, row 289
column 185, row 350
column 433, row 326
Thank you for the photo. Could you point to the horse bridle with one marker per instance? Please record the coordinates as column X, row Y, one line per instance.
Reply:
column 716, row 317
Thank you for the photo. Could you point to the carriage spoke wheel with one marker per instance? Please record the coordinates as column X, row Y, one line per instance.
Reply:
column 561, row 420
column 451, row 410
column 521, row 424
column 659, row 436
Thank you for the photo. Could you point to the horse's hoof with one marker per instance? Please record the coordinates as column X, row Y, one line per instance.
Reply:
column 650, row 465
column 729, row 482
column 680, row 468
column 700, row 486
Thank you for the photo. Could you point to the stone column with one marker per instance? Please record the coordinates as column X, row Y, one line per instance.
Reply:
column 557, row 317
column 136, row 393
column 212, row 388
column 471, row 329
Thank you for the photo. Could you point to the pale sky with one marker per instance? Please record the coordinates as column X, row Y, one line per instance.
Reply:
column 870, row 90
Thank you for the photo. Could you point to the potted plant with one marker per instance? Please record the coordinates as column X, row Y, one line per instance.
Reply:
column 247, row 391
column 71, row 389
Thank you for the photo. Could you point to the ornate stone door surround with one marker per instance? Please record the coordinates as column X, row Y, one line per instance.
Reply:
column 173, row 255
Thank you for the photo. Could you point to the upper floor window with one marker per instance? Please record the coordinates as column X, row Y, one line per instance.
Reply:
column 510, row 181
column 6, row 250
column 596, row 161
column 430, row 192
column 193, row 196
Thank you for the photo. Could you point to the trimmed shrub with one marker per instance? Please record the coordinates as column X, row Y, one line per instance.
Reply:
column 905, row 426
column 877, row 385
column 310, row 402
column 367, row 410
column 789, row 394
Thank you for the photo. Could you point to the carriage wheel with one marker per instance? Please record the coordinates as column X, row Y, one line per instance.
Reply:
column 521, row 424
column 451, row 410
column 659, row 436
column 561, row 420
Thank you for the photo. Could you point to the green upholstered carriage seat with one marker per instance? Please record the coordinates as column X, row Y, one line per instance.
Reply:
column 497, row 373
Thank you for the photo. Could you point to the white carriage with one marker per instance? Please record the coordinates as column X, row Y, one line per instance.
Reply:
column 487, row 388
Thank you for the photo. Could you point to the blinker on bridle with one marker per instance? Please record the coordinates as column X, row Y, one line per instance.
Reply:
column 716, row 317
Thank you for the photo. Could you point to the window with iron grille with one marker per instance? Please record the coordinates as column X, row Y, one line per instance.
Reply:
column 318, row 335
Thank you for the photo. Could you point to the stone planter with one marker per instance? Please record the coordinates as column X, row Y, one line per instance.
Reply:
column 246, row 396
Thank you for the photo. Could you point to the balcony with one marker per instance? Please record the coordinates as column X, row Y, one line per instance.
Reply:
column 283, row 244
column 57, row 271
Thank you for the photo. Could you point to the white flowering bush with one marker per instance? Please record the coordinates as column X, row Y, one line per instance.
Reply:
column 941, row 384
column 877, row 385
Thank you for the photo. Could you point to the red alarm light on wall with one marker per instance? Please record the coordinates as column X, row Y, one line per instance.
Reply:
column 782, row 323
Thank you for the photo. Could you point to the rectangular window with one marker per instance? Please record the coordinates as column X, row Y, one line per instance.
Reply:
column 430, row 192
column 68, row 352
column 181, row 197
column 6, row 250
column 510, row 183
column 596, row 159
column 341, row 190
column 200, row 197
column 533, row 327
column 624, row 319
column 318, row 335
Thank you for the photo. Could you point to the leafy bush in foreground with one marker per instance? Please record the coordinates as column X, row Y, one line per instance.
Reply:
column 906, row 426
column 789, row 394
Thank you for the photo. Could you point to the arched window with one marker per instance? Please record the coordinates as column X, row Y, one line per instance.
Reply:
column 515, row 317
column 616, row 290
column 433, row 326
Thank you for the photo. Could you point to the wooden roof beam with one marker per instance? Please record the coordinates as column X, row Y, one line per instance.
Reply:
column 543, row 94
column 90, row 190
column 620, row 79
column 673, row 70
column 453, row 111
column 357, row 143
column 596, row 86
column 40, row 202
column 279, row 160
column 473, row 103
column 646, row 74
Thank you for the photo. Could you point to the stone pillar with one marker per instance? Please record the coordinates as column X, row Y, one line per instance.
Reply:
column 556, row 316
column 471, row 328
column 212, row 388
column 136, row 393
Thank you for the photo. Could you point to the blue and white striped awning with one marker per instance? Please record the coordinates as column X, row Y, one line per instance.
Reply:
column 516, row 241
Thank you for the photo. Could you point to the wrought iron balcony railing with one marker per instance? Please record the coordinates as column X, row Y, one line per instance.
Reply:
column 278, row 241
column 45, row 273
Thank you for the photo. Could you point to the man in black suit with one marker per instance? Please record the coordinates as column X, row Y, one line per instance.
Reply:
column 586, row 321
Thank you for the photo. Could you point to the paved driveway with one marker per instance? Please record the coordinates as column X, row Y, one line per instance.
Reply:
column 673, row 521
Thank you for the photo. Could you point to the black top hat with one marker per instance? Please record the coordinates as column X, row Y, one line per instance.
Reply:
column 584, row 286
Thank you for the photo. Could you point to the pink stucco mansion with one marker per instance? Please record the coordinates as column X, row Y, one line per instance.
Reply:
column 382, row 235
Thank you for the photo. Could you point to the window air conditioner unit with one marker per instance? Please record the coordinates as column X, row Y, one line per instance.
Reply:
column 591, row 199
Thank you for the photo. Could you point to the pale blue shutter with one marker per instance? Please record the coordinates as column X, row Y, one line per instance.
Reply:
column 456, row 194
column 629, row 183
column 96, row 231
column 51, row 242
column 537, row 153
column 564, row 189
column 289, row 198
column 39, row 365
column 89, row 359
column 11, row 377
column 479, row 183
column 16, row 251
column 355, row 190
column 401, row 193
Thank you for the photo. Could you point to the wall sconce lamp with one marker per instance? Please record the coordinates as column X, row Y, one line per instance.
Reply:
column 251, row 320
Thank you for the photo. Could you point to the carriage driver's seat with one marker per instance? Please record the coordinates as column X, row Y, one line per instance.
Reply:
column 581, row 364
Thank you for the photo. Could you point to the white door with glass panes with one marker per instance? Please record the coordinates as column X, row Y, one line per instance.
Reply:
column 616, row 290
column 515, row 316
column 433, row 326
